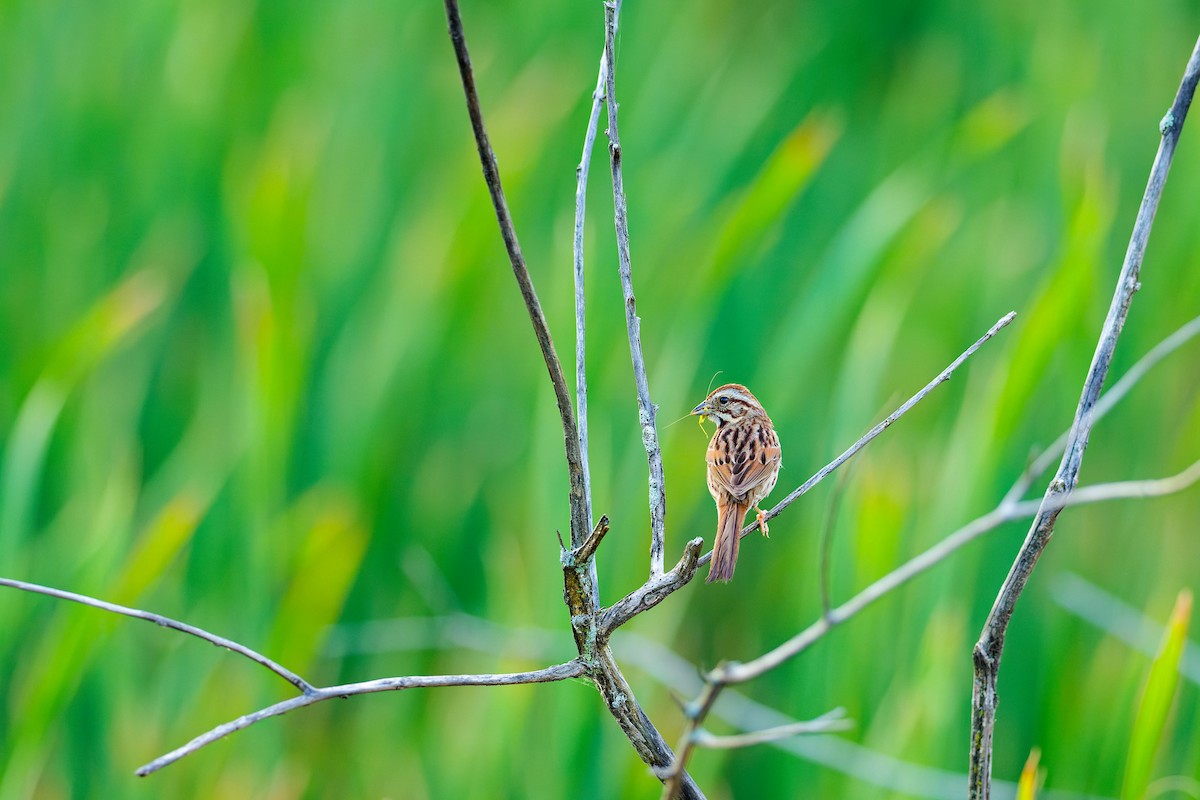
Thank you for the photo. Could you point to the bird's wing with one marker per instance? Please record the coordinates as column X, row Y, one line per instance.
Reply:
column 738, row 477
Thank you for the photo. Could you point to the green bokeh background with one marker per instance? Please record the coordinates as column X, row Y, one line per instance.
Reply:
column 264, row 369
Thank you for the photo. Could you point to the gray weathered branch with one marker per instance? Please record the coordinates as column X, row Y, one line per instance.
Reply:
column 491, row 175
column 581, row 181
column 1010, row 508
column 647, row 411
column 558, row 672
column 827, row 723
column 166, row 622
column 732, row 673
column 990, row 646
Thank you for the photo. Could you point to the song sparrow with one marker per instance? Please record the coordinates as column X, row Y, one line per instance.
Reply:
column 743, row 465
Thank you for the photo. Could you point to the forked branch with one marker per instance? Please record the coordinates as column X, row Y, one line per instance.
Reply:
column 991, row 641
column 1008, row 511
column 1010, row 508
column 580, row 589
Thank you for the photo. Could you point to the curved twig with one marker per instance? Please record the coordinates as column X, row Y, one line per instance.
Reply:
column 826, row 723
column 491, row 175
column 558, row 672
column 166, row 622
column 1121, row 490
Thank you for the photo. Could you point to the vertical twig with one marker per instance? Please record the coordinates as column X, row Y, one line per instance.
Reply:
column 991, row 641
column 696, row 712
column 581, row 406
column 491, row 175
column 646, row 409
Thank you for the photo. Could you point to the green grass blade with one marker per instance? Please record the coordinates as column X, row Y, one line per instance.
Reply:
column 1151, row 720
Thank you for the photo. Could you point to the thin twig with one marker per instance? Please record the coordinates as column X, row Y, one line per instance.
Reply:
column 1107, row 401
column 646, row 409
column 727, row 674
column 867, row 437
column 657, row 589
column 581, row 403
column 990, row 646
column 696, row 713
column 166, row 622
column 1122, row 490
column 558, row 672
column 581, row 181
column 827, row 723
column 491, row 175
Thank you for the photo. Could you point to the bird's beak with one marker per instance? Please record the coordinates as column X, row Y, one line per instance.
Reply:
column 701, row 409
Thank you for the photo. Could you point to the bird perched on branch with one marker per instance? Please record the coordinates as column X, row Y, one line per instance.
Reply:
column 743, row 464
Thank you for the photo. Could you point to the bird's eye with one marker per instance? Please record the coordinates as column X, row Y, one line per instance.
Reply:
column 723, row 400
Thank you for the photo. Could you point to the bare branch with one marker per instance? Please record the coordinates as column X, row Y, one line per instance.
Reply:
column 579, row 587
column 991, row 641
column 653, row 591
column 1110, row 398
column 491, row 175
column 827, row 723
column 867, row 437
column 696, row 712
column 740, row 673
column 166, row 622
column 558, row 672
column 581, row 180
column 732, row 673
column 646, row 409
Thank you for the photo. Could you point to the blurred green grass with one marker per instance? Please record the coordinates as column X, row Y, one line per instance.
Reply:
column 264, row 369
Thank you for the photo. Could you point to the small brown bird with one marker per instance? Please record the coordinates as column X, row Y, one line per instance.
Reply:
column 743, row 464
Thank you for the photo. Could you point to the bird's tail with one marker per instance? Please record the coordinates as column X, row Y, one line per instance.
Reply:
column 729, row 536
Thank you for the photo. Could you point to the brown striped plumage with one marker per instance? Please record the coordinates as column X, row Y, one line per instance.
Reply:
column 743, row 465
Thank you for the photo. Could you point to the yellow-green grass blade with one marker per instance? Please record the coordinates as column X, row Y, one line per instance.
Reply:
column 1150, row 724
